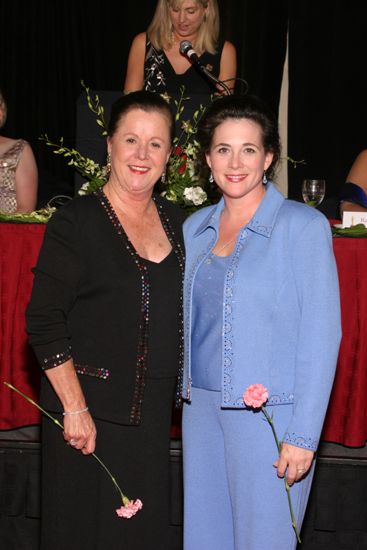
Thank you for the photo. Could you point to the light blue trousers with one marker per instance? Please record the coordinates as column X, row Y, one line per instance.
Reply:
column 234, row 499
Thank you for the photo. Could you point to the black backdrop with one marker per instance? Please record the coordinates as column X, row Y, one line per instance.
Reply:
column 47, row 47
column 328, row 89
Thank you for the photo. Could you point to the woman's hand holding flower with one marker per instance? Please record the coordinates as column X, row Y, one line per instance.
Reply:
column 294, row 462
column 129, row 507
column 80, row 432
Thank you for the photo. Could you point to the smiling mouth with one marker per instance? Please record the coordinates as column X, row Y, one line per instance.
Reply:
column 235, row 178
column 138, row 169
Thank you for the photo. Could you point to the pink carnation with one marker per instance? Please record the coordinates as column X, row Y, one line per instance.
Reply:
column 255, row 396
column 130, row 509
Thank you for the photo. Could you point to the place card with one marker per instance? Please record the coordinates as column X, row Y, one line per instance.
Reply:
column 354, row 218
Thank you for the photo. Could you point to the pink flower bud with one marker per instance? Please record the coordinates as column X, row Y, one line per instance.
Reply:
column 255, row 396
column 130, row 509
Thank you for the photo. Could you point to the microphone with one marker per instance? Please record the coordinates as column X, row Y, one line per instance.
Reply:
column 186, row 48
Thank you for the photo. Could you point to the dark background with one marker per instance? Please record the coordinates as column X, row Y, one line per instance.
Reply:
column 47, row 47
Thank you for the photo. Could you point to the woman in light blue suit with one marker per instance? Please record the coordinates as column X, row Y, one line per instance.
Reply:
column 261, row 307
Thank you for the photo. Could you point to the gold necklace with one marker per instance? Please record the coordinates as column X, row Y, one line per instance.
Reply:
column 210, row 257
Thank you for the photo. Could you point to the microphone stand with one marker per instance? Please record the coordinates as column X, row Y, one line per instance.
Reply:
column 188, row 51
column 211, row 77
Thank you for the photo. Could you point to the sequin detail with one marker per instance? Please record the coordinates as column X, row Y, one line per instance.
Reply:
column 282, row 399
column 305, row 442
column 228, row 321
column 57, row 359
column 8, row 165
column 229, row 282
column 96, row 372
column 142, row 351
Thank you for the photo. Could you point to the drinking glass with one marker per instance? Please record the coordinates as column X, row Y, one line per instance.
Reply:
column 313, row 192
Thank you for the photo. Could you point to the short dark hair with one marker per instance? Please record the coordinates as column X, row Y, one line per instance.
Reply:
column 236, row 107
column 144, row 100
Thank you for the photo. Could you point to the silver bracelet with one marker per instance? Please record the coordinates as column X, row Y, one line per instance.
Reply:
column 65, row 413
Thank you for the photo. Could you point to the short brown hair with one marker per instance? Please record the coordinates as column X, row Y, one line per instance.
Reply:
column 144, row 100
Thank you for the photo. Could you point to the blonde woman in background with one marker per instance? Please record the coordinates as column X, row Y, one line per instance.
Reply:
column 155, row 61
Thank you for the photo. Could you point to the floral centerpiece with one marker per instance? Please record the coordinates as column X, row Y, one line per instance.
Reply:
column 182, row 183
column 38, row 216
column 94, row 174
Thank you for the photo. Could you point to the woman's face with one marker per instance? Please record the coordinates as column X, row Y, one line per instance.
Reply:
column 186, row 17
column 237, row 159
column 139, row 150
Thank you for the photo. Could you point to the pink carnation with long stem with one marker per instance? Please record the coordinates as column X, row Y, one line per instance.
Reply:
column 129, row 507
column 255, row 396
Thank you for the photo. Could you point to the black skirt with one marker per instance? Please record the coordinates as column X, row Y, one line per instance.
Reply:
column 79, row 500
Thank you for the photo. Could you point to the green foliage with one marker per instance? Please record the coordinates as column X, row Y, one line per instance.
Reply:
column 182, row 184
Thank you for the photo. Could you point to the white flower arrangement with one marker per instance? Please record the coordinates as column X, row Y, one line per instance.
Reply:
column 195, row 195
column 183, row 184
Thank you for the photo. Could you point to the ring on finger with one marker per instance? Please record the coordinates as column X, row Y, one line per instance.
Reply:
column 73, row 442
column 300, row 470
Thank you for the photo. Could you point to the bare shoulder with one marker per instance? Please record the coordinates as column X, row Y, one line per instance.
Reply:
column 229, row 48
column 139, row 41
column 358, row 172
column 362, row 157
column 134, row 79
column 228, row 62
column 5, row 144
column 27, row 151
column 229, row 57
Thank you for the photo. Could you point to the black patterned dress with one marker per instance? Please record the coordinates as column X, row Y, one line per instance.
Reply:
column 159, row 76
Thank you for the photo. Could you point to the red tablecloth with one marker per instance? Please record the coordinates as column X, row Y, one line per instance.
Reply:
column 19, row 248
column 346, row 420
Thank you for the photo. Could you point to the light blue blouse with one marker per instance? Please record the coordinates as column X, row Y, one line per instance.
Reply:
column 207, row 323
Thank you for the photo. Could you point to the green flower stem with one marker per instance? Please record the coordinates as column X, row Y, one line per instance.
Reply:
column 124, row 498
column 287, row 488
column 35, row 404
column 96, row 108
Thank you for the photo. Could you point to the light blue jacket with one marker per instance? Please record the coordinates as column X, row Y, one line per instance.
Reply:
column 281, row 310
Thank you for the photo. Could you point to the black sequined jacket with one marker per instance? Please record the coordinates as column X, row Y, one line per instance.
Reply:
column 90, row 302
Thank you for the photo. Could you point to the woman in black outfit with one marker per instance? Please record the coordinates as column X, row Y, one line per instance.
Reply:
column 105, row 322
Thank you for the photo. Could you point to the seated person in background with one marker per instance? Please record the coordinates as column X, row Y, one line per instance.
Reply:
column 18, row 172
column 354, row 192
column 155, row 62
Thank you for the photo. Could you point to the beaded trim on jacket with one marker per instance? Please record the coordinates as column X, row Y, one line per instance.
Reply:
column 142, row 351
column 57, row 359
